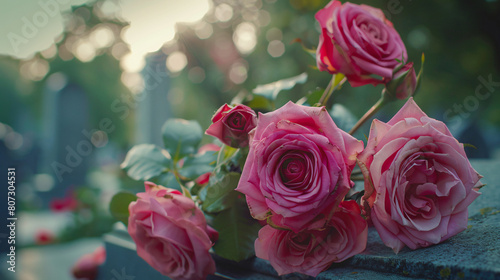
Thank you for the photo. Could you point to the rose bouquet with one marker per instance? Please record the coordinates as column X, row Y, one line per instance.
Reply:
column 278, row 183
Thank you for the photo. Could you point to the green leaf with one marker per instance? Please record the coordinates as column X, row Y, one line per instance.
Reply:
column 237, row 232
column 270, row 91
column 119, row 206
column 230, row 157
column 225, row 153
column 259, row 102
column 181, row 137
column 186, row 192
column 420, row 73
column 221, row 194
column 197, row 165
column 315, row 96
column 146, row 161
column 311, row 98
column 195, row 189
column 167, row 179
column 222, row 203
column 342, row 117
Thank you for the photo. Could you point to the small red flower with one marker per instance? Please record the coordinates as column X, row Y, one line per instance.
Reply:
column 87, row 265
column 43, row 237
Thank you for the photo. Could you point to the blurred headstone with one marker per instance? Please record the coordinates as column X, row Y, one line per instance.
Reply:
column 153, row 108
column 66, row 149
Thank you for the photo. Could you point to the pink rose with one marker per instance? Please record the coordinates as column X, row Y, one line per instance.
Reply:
column 316, row 247
column 171, row 233
column 359, row 42
column 232, row 124
column 87, row 266
column 299, row 162
column 418, row 180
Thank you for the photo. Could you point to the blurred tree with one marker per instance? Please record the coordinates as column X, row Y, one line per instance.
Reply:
column 458, row 39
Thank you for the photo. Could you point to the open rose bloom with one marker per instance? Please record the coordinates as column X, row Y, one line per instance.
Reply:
column 171, row 233
column 299, row 163
column 318, row 245
column 359, row 42
column 418, row 180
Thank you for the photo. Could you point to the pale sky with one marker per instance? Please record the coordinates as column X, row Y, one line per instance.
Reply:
column 27, row 27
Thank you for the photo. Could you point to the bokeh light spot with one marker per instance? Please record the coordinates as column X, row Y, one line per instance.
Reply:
column 245, row 37
column 176, row 61
column 276, row 48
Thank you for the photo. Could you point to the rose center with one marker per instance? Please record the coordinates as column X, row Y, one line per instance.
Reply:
column 372, row 33
column 236, row 121
column 293, row 170
column 300, row 240
column 420, row 195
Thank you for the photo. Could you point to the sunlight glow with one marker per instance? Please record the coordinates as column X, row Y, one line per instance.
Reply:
column 152, row 24
column 133, row 62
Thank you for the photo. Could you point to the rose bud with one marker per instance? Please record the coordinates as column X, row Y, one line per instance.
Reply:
column 359, row 42
column 404, row 82
column 231, row 125
column 418, row 180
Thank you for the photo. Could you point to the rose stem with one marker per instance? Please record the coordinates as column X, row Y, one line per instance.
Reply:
column 374, row 109
column 333, row 85
column 356, row 172
column 358, row 178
